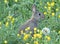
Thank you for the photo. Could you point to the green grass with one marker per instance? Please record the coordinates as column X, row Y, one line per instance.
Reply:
column 21, row 11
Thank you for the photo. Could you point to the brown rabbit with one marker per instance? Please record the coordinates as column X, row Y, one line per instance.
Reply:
column 36, row 15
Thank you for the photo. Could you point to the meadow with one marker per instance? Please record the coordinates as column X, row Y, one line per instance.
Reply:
column 13, row 13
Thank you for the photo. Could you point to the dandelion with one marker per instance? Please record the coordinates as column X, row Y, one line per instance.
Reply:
column 30, row 32
column 10, row 17
column 18, row 35
column 34, row 36
column 5, row 42
column 35, row 29
column 46, row 31
column 37, row 36
column 28, row 28
column 6, row 1
column 26, row 36
column 48, row 3
column 53, row 14
column 38, row 30
column 13, row 19
column 49, row 8
column 36, row 42
column 59, row 32
column 52, row 3
column 27, row 43
column 48, row 38
column 22, row 32
column 45, row 7
column 57, row 9
column 45, row 13
column 7, row 23
column 16, row 0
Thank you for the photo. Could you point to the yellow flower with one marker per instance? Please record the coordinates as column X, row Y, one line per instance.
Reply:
column 49, row 8
column 12, row 20
column 59, row 32
column 53, row 14
column 27, row 43
column 34, row 36
column 16, row 0
column 5, row 42
column 45, row 13
column 7, row 23
column 30, row 32
column 57, row 9
column 10, row 17
column 59, row 16
column 37, row 36
column 35, row 29
column 28, row 28
column 45, row 7
column 36, row 42
column 52, row 3
column 26, row 36
column 18, row 35
column 38, row 30
column 48, row 3
column 6, row 1
column 22, row 32
column 48, row 38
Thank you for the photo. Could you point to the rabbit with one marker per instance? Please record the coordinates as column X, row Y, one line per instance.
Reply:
column 33, row 21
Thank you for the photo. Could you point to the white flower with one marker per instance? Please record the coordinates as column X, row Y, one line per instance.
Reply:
column 45, row 31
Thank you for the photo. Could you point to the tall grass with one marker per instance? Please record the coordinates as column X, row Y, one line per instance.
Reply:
column 13, row 13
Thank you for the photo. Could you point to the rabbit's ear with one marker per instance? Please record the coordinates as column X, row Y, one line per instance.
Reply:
column 34, row 8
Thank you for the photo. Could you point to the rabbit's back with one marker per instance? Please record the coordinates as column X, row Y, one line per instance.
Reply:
column 30, row 23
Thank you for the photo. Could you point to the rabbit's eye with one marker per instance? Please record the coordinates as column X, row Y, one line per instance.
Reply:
column 39, row 14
